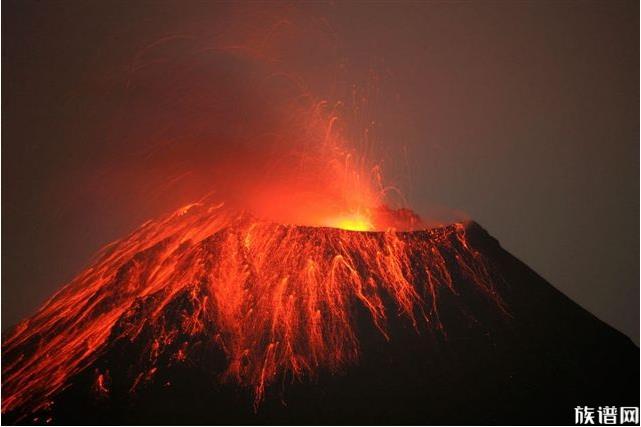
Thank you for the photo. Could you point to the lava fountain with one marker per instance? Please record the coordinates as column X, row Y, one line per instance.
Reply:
column 273, row 280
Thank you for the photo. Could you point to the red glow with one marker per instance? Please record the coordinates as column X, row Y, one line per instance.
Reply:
column 304, row 236
column 280, row 297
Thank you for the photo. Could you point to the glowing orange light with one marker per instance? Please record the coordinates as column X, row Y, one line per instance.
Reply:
column 276, row 298
column 279, row 300
column 354, row 222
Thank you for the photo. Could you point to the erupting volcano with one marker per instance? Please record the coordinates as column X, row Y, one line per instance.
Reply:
column 278, row 300
column 303, row 290
column 213, row 307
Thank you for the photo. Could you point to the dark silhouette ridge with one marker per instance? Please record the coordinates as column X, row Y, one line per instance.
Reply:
column 529, row 364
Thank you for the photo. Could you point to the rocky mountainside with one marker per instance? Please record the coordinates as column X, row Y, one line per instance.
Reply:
column 212, row 317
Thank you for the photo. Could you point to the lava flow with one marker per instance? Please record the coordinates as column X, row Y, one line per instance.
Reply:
column 279, row 300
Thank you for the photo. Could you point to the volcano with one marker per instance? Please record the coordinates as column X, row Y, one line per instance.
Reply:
column 213, row 316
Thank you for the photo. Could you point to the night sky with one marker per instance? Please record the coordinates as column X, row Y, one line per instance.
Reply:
column 521, row 115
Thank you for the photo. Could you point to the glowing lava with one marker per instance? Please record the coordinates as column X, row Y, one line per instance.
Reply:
column 354, row 222
column 279, row 300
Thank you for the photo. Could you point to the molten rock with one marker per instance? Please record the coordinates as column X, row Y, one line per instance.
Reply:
column 213, row 316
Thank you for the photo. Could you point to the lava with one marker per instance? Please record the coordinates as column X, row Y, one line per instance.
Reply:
column 277, row 299
column 273, row 277
column 354, row 222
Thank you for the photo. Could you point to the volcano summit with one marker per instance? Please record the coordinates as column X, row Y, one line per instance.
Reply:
column 212, row 316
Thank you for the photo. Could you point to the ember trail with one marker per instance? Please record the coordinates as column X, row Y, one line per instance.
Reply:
column 278, row 299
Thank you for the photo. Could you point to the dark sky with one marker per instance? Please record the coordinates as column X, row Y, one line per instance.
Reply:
column 523, row 115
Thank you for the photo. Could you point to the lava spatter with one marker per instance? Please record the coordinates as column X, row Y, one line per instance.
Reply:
column 276, row 299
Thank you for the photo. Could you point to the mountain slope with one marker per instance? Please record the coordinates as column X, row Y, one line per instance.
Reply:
column 213, row 317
